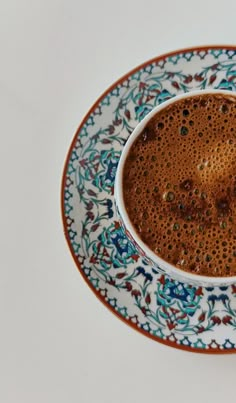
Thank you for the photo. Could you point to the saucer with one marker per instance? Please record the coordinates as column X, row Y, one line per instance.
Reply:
column 197, row 319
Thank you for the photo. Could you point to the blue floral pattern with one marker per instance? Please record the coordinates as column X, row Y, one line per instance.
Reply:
column 181, row 315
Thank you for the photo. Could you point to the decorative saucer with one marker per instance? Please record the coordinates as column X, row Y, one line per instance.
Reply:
column 198, row 319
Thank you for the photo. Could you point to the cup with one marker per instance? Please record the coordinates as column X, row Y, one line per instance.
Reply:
column 144, row 251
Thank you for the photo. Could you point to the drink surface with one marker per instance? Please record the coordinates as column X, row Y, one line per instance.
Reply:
column 180, row 184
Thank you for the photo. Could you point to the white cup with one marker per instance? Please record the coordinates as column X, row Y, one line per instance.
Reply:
column 147, row 254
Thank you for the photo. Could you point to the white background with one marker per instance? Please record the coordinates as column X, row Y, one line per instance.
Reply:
column 58, row 343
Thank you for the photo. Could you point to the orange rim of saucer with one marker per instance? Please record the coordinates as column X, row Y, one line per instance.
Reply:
column 63, row 183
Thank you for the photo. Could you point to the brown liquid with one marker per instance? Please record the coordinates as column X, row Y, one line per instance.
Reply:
column 180, row 184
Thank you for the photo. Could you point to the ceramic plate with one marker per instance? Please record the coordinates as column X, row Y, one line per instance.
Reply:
column 192, row 318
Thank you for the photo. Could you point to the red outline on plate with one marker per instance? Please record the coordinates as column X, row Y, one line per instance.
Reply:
column 98, row 295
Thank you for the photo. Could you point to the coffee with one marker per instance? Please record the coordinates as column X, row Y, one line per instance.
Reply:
column 179, row 184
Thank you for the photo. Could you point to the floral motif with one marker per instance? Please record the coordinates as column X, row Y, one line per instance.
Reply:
column 112, row 248
column 176, row 313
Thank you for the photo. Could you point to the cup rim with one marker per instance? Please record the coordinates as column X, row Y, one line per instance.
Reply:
column 119, row 197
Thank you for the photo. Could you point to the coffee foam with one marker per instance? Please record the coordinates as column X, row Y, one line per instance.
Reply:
column 180, row 184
